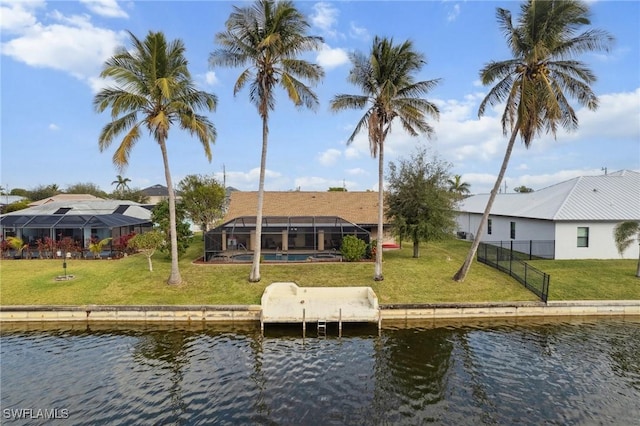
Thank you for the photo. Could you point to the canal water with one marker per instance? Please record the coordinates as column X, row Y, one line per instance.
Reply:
column 552, row 372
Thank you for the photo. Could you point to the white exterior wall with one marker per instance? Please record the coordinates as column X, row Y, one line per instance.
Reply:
column 526, row 229
column 601, row 242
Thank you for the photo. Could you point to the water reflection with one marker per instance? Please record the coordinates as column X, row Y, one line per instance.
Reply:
column 527, row 372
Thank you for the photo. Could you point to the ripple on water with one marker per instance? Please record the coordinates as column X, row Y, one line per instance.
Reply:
column 563, row 372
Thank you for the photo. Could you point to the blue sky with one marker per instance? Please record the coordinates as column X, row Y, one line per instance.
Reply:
column 52, row 52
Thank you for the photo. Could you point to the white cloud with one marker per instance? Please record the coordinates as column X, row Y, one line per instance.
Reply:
column 357, row 171
column 325, row 17
column 72, row 45
column 329, row 157
column 16, row 17
column 54, row 127
column 248, row 181
column 108, row 8
column 315, row 183
column 332, row 57
column 453, row 13
column 357, row 32
column 211, row 78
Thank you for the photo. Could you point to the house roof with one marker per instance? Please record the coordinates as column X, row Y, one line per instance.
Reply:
column 77, row 214
column 610, row 197
column 65, row 197
column 156, row 191
column 356, row 207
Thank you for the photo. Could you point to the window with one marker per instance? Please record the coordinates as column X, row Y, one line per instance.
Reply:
column 489, row 226
column 583, row 236
column 513, row 230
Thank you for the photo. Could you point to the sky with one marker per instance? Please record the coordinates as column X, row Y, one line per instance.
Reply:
column 52, row 53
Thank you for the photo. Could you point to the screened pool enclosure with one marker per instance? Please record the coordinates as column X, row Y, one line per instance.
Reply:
column 292, row 237
column 77, row 224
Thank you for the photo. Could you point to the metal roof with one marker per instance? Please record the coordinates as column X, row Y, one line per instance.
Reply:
column 610, row 197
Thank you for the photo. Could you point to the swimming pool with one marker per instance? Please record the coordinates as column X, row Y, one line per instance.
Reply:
column 289, row 257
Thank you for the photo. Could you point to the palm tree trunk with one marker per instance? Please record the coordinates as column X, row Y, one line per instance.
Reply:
column 378, row 267
column 464, row 269
column 174, row 277
column 254, row 276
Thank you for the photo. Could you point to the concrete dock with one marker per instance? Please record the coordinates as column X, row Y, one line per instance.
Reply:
column 285, row 302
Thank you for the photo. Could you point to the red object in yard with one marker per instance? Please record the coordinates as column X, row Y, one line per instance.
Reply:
column 390, row 246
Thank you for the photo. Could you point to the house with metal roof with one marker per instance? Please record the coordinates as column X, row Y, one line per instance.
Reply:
column 80, row 220
column 575, row 218
column 294, row 221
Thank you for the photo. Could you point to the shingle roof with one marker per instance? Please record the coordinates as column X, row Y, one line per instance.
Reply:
column 356, row 207
column 65, row 197
column 611, row 197
column 156, row 191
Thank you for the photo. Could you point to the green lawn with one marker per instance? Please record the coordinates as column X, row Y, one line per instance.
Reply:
column 425, row 280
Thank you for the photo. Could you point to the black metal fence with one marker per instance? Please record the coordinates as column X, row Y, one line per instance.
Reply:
column 528, row 249
column 509, row 261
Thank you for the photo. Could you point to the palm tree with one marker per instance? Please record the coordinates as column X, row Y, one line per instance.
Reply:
column 457, row 186
column 389, row 91
column 625, row 233
column 534, row 84
column 266, row 38
column 153, row 90
column 121, row 183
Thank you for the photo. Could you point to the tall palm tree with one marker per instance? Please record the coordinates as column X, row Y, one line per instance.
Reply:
column 457, row 186
column 266, row 39
column 153, row 89
column 121, row 183
column 625, row 233
column 389, row 91
column 535, row 83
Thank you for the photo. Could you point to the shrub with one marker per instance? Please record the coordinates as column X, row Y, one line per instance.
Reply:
column 353, row 248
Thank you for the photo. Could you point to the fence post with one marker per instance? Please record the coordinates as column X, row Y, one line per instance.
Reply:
column 510, row 260
column 530, row 249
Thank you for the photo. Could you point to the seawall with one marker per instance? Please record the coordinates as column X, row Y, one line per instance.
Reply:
column 239, row 313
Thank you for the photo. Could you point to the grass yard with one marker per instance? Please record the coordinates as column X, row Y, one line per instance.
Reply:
column 591, row 279
column 425, row 280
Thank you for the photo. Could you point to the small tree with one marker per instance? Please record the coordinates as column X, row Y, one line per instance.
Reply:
column 96, row 246
column 148, row 243
column 41, row 192
column 135, row 195
column 17, row 244
column 353, row 248
column 86, row 188
column 202, row 198
column 626, row 233
column 419, row 201
column 160, row 217
column 523, row 189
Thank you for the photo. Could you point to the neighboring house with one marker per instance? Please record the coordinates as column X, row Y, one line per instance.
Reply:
column 156, row 193
column 578, row 216
column 65, row 197
column 80, row 220
column 295, row 220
